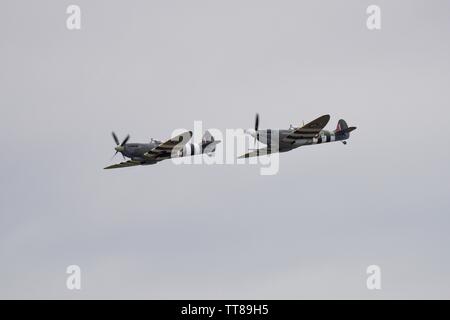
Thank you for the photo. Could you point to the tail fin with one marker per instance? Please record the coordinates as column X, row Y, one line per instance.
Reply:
column 209, row 143
column 207, row 137
column 342, row 125
column 342, row 131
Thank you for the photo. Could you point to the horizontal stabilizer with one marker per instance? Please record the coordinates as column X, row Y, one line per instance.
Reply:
column 347, row 130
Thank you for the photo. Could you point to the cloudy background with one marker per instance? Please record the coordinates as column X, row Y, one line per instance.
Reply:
column 200, row 231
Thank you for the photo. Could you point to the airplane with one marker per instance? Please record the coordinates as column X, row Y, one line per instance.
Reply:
column 288, row 139
column 156, row 151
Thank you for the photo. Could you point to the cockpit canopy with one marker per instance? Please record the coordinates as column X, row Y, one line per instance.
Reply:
column 155, row 141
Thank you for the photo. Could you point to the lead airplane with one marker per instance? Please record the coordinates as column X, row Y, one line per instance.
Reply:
column 288, row 139
column 156, row 151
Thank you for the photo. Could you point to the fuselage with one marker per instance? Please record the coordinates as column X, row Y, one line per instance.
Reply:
column 278, row 139
column 137, row 151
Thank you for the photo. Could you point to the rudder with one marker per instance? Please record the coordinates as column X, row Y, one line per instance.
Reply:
column 341, row 126
column 342, row 131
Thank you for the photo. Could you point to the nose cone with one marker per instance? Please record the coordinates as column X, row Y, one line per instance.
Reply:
column 119, row 148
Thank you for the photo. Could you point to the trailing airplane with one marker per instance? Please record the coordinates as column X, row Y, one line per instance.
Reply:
column 156, row 151
column 288, row 139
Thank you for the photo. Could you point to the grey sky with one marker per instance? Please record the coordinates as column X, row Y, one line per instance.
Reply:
column 166, row 231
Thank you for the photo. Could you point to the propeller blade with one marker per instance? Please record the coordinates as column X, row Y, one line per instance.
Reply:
column 256, row 122
column 115, row 138
column 125, row 140
column 114, row 155
column 256, row 128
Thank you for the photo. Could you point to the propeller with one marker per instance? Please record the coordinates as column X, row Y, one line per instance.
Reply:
column 119, row 146
column 115, row 138
column 256, row 128
column 125, row 140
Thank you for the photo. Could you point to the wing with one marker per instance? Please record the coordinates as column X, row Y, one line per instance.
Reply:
column 256, row 153
column 309, row 130
column 129, row 163
column 172, row 145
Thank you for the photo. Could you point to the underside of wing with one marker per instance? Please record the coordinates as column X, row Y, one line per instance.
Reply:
column 172, row 145
column 309, row 130
column 129, row 163
column 256, row 153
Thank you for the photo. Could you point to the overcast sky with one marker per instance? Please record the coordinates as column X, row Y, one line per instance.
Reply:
column 224, row 231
